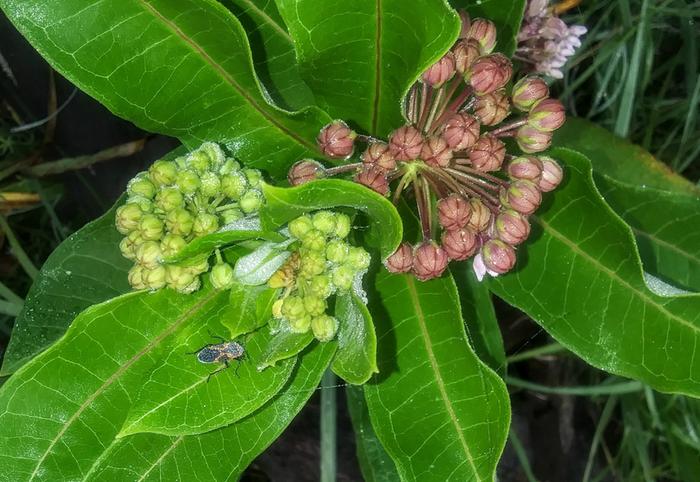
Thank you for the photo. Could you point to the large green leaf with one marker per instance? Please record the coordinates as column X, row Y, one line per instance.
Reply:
column 221, row 455
column 438, row 410
column 356, row 359
column 87, row 268
column 178, row 67
column 506, row 14
column 285, row 204
column 359, row 57
column 666, row 225
column 273, row 51
column 581, row 278
column 618, row 158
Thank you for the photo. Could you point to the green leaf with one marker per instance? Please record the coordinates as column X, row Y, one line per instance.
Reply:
column 166, row 402
column 618, row 158
column 666, row 226
column 375, row 463
column 581, row 278
column 360, row 57
column 480, row 316
column 154, row 457
column 283, row 345
column 356, row 359
column 255, row 268
column 506, row 14
column 59, row 410
column 87, row 268
column 206, row 245
column 285, row 204
column 273, row 52
column 177, row 67
column 438, row 410
column 250, row 308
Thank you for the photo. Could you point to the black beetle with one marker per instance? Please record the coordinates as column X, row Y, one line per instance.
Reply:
column 223, row 352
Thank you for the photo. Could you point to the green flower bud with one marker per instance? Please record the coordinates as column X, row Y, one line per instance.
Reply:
column 151, row 227
column 154, row 278
column 172, row 244
column 231, row 215
column 222, row 276
column 204, row 224
column 163, row 173
column 214, row 152
column 169, row 198
column 324, row 327
column 358, row 258
column 277, row 308
column 312, row 264
column 179, row 221
column 253, row 176
column 141, row 186
column 135, row 277
column 145, row 204
column 342, row 225
column 300, row 227
column 198, row 267
column 192, row 287
column 293, row 308
column 314, row 241
column 128, row 218
column 127, row 247
column 210, row 184
column 314, row 305
column 234, row 185
column 229, row 166
column 325, row 222
column 336, row 251
column 188, row 181
column 320, row 285
column 199, row 161
column 178, row 278
column 343, row 277
column 300, row 325
column 181, row 162
column 251, row 201
column 149, row 254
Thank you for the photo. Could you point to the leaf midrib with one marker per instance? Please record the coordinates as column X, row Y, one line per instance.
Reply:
column 117, row 374
column 672, row 247
column 420, row 317
column 198, row 49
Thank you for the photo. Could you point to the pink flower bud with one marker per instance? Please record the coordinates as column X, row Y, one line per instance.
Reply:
column 429, row 261
column 454, row 212
column 401, row 261
column 461, row 131
column 336, row 140
column 531, row 140
column 490, row 73
column 441, row 71
column 374, row 178
column 466, row 23
column 528, row 168
column 378, row 154
column 528, row 91
column 512, row 227
column 487, row 154
column 484, row 32
column 492, row 108
column 552, row 174
column 304, row 171
column 459, row 244
column 481, row 215
column 406, row 143
column 521, row 196
column 465, row 54
column 547, row 115
column 436, row 152
column 498, row 256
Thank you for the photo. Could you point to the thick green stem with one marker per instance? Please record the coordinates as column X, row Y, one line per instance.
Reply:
column 328, row 427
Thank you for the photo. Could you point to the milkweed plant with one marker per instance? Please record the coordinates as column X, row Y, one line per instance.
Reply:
column 356, row 181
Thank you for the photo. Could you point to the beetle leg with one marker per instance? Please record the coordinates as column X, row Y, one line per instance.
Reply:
column 223, row 340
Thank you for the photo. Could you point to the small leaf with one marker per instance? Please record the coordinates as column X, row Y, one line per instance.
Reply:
column 250, row 308
column 180, row 398
column 284, row 344
column 581, row 278
column 506, row 14
column 356, row 359
column 256, row 268
column 440, row 413
column 285, row 204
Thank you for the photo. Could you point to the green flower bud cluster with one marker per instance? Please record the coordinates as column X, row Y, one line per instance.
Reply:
column 177, row 201
column 324, row 264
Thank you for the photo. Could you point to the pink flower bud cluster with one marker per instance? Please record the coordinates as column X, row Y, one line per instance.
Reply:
column 473, row 197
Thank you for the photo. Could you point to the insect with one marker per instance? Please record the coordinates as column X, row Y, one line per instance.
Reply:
column 223, row 352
